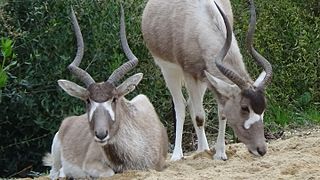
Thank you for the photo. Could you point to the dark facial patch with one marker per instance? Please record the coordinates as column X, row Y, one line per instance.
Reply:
column 257, row 99
column 101, row 92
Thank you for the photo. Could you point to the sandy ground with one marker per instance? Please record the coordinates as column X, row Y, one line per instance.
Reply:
column 297, row 156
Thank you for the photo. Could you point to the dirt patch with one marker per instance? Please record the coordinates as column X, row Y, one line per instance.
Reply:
column 295, row 156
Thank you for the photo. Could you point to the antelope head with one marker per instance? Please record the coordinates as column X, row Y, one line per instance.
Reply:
column 244, row 102
column 101, row 98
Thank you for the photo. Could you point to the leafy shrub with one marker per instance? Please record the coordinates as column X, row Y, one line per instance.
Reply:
column 287, row 34
column 7, row 54
column 33, row 106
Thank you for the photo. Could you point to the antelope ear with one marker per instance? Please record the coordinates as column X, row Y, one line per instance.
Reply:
column 221, row 86
column 260, row 79
column 129, row 84
column 74, row 89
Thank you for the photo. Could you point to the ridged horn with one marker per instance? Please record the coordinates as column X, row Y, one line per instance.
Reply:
column 264, row 63
column 74, row 66
column 234, row 77
column 133, row 60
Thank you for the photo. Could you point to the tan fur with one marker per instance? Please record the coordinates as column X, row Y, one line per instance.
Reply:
column 184, row 37
column 114, row 134
column 141, row 141
column 183, row 34
column 141, row 136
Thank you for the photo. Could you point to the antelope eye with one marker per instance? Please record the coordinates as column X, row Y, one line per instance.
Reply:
column 114, row 100
column 245, row 109
column 88, row 101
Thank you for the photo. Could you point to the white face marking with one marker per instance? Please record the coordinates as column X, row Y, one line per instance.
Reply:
column 102, row 142
column 255, row 152
column 106, row 105
column 253, row 118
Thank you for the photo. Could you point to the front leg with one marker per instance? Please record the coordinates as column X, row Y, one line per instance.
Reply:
column 220, row 144
column 61, row 173
column 95, row 164
column 97, row 169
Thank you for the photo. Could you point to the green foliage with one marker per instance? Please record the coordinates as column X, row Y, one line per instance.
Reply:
column 312, row 115
column 7, row 55
column 6, row 48
column 3, row 78
column 287, row 34
column 38, row 44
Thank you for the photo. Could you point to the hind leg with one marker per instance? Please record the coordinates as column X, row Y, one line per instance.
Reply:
column 56, row 157
column 173, row 77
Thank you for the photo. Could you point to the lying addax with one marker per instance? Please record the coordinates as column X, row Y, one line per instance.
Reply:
column 193, row 44
column 115, row 134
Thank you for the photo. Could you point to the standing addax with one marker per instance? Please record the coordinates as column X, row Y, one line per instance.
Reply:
column 114, row 134
column 193, row 44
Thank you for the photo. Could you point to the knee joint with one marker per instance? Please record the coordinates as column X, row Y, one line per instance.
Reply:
column 199, row 121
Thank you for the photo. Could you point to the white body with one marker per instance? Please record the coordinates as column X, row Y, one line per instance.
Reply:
column 183, row 37
column 139, row 143
column 114, row 135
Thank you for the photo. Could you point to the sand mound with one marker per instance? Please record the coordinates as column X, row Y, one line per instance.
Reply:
column 297, row 157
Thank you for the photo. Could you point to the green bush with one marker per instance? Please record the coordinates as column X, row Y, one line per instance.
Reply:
column 7, row 54
column 288, row 35
column 32, row 106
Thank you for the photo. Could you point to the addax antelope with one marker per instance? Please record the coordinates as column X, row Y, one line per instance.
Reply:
column 193, row 44
column 114, row 134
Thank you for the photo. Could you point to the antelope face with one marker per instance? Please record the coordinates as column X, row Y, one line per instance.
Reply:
column 243, row 110
column 245, row 116
column 101, row 110
column 102, row 101
column 100, row 106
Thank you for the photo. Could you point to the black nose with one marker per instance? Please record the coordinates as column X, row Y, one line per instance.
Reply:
column 101, row 135
column 262, row 152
